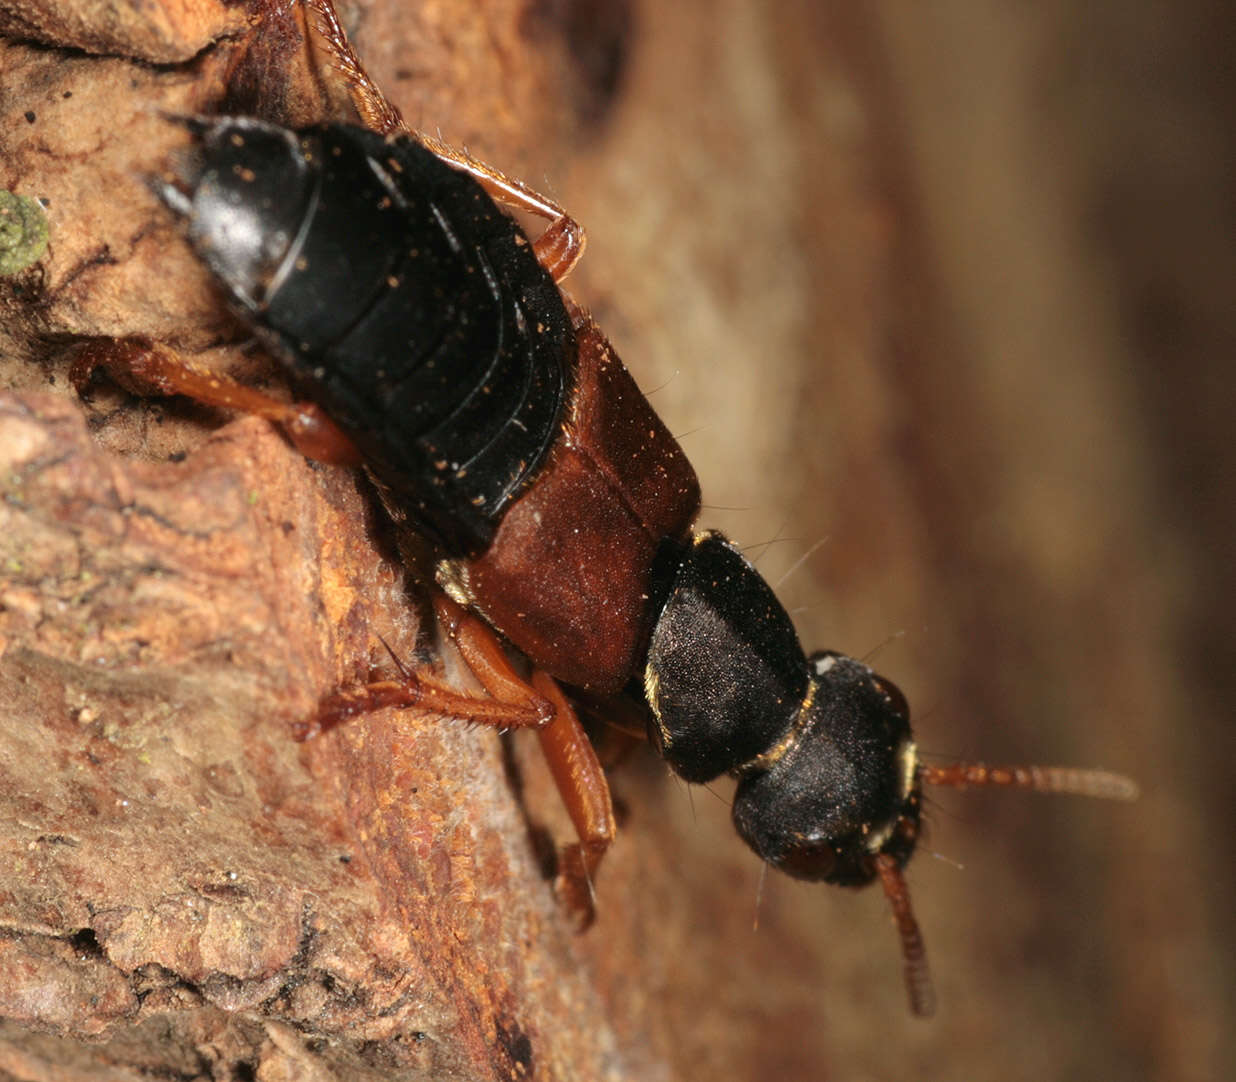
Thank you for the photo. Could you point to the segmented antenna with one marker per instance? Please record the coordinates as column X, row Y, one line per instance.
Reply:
column 918, row 975
column 1102, row 784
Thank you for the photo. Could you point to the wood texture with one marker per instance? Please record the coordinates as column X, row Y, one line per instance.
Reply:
column 945, row 286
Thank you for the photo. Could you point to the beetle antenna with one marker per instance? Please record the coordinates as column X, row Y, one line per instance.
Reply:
column 918, row 975
column 759, row 896
column 1102, row 784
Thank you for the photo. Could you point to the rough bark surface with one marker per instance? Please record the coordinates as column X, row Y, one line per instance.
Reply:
column 945, row 284
column 183, row 884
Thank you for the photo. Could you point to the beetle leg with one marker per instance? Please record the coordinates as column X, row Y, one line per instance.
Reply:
column 144, row 367
column 148, row 368
column 376, row 110
column 572, row 760
column 421, row 690
column 562, row 243
column 584, row 790
column 514, row 703
column 483, row 654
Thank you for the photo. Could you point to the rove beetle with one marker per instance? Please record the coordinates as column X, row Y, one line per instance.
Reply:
column 496, row 420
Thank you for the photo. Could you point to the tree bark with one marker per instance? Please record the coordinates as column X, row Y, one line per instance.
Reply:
column 945, row 285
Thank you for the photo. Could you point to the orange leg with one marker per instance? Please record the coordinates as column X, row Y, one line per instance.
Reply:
column 573, row 762
column 425, row 692
column 572, row 759
column 585, row 792
column 511, row 704
column 146, row 368
column 557, row 249
column 514, row 703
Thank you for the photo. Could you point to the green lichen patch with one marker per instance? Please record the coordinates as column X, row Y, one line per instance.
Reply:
column 23, row 232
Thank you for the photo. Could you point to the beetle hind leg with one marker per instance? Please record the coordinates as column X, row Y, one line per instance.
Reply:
column 562, row 243
column 377, row 112
column 560, row 246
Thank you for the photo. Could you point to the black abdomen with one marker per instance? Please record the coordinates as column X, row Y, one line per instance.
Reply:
column 414, row 308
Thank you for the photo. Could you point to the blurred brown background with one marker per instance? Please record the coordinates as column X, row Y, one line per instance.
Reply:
column 945, row 290
column 952, row 288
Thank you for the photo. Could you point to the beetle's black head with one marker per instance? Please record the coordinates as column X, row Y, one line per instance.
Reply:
column 842, row 788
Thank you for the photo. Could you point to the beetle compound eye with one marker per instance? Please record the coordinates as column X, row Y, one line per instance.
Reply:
column 815, row 861
column 897, row 701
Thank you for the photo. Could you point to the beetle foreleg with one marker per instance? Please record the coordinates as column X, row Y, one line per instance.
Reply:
column 571, row 757
column 585, row 792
